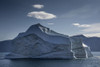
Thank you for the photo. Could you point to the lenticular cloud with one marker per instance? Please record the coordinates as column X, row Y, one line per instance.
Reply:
column 41, row 15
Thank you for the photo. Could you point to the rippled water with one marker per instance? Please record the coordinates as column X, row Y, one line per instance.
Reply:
column 91, row 62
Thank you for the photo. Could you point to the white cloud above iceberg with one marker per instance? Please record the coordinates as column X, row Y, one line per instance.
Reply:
column 41, row 15
column 50, row 23
column 92, row 34
column 38, row 6
column 89, row 29
column 95, row 27
column 81, row 25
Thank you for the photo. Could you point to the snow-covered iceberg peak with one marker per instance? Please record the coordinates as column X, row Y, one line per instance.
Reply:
column 41, row 42
column 43, row 29
column 46, row 34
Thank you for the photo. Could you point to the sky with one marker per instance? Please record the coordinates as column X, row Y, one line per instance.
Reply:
column 70, row 17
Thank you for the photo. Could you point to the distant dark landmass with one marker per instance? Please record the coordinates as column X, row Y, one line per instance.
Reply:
column 92, row 42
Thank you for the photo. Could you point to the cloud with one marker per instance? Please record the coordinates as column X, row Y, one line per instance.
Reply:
column 41, row 15
column 89, row 29
column 38, row 6
column 81, row 25
column 93, row 28
column 92, row 35
column 50, row 23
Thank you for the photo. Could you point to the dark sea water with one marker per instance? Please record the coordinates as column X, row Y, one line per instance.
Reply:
column 91, row 62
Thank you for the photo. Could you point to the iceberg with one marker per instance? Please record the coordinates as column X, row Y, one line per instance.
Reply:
column 41, row 42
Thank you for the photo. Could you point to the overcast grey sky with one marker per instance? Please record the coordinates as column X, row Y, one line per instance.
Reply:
column 70, row 17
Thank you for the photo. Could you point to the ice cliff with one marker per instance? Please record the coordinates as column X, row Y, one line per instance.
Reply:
column 41, row 42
